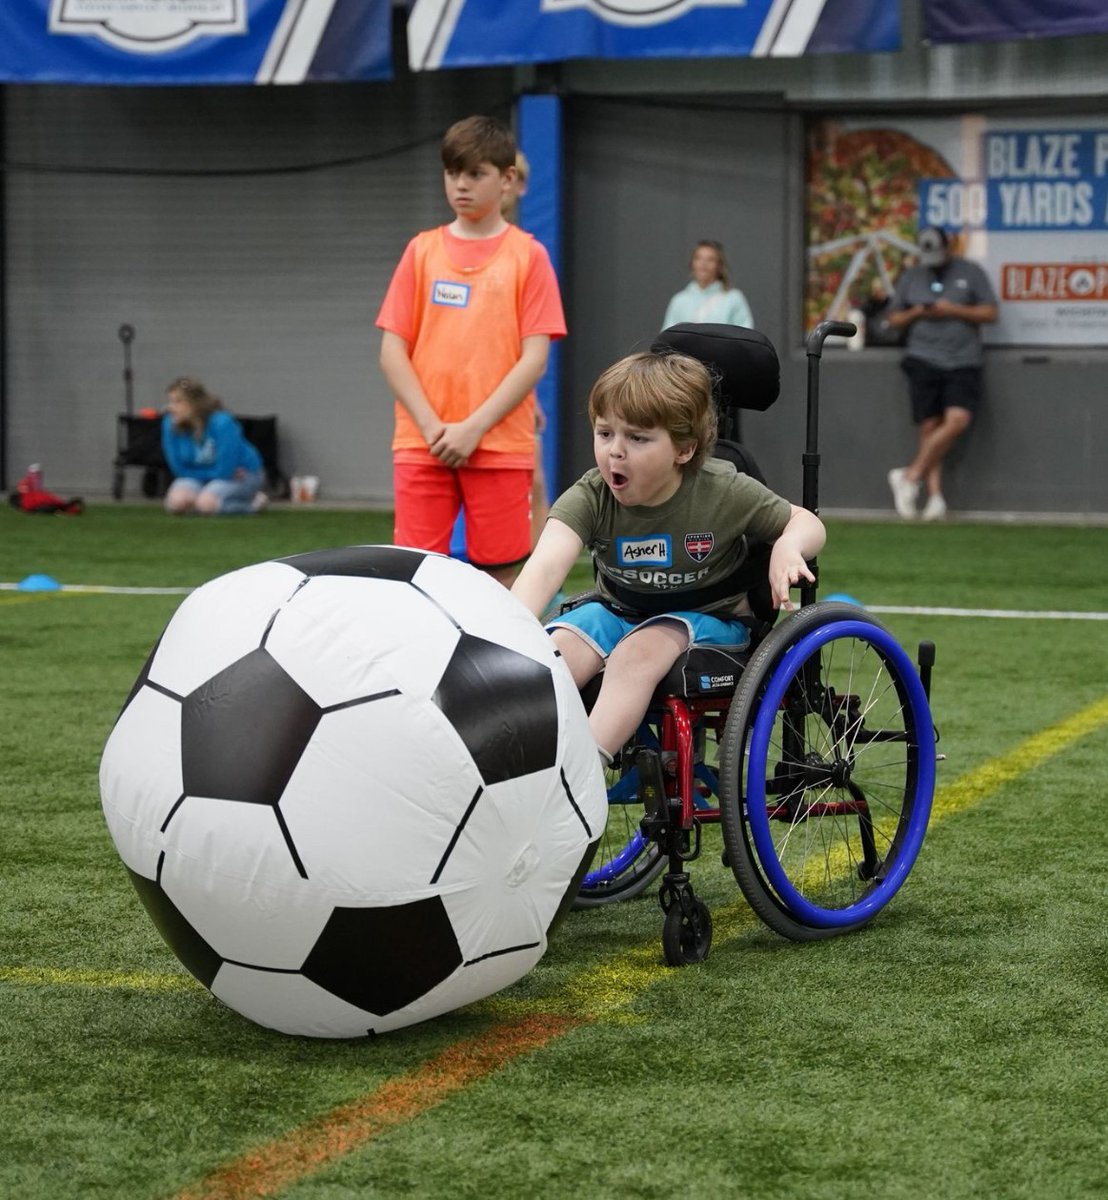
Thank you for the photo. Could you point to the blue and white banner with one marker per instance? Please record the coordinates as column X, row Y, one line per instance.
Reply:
column 470, row 33
column 1028, row 201
column 1011, row 20
column 194, row 41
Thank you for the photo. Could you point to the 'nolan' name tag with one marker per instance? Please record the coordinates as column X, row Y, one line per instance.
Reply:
column 456, row 295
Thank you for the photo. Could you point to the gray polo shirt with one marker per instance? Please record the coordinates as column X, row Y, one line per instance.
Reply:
column 946, row 342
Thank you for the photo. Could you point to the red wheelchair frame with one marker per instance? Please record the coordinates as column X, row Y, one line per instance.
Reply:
column 826, row 757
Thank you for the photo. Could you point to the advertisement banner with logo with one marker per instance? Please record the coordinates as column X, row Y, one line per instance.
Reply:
column 1027, row 199
column 194, row 41
column 1011, row 20
column 468, row 33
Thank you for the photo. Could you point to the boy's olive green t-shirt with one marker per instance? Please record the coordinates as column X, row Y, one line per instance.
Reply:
column 693, row 540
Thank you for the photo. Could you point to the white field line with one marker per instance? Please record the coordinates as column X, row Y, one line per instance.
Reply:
column 100, row 589
column 1004, row 613
column 894, row 609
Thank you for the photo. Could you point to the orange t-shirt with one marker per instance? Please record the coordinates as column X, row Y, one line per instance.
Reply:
column 464, row 307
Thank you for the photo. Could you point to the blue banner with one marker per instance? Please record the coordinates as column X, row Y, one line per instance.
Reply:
column 194, row 41
column 1011, row 20
column 468, row 33
column 1035, row 181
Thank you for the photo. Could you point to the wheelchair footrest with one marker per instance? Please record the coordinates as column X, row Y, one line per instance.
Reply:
column 652, row 792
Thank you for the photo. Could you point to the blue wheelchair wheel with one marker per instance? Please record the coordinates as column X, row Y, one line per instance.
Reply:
column 626, row 862
column 827, row 772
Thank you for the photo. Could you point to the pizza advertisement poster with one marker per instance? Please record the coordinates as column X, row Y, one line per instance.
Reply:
column 1026, row 198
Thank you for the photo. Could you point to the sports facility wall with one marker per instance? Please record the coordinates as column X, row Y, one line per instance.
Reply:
column 648, row 181
column 248, row 235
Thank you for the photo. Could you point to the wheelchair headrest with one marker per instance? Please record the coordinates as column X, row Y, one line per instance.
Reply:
column 743, row 361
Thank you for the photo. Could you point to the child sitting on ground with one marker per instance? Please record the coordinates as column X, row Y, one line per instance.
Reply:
column 666, row 525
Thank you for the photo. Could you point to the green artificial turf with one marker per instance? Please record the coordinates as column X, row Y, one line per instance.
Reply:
column 955, row 1048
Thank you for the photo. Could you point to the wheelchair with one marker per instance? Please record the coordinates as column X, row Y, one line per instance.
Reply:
column 813, row 746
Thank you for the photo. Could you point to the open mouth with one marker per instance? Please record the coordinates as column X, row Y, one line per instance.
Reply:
column 619, row 480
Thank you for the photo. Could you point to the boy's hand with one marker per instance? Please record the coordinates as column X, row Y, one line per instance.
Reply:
column 455, row 443
column 802, row 539
column 786, row 571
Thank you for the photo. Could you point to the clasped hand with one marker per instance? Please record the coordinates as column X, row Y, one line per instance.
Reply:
column 454, row 444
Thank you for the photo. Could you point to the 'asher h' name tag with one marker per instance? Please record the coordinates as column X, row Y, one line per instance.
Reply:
column 454, row 295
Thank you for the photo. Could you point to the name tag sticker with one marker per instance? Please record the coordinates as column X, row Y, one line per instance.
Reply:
column 657, row 551
column 455, row 295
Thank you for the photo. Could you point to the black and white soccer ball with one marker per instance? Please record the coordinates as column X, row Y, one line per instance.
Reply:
column 354, row 788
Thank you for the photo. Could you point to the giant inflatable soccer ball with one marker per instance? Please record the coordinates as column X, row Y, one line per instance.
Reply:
column 354, row 789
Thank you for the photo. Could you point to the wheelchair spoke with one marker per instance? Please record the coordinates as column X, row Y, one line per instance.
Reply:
column 834, row 780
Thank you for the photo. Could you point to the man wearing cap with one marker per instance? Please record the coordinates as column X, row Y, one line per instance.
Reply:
column 942, row 303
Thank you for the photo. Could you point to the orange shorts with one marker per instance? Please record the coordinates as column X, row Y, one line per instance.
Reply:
column 497, row 504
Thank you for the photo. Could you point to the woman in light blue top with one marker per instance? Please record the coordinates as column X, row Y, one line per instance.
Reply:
column 709, row 296
column 215, row 469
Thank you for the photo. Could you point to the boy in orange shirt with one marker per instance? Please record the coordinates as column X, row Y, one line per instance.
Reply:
column 467, row 321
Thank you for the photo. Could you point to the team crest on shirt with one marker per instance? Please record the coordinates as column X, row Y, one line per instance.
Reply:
column 453, row 295
column 699, row 545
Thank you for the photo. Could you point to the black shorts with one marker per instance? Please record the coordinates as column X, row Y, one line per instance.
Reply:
column 933, row 390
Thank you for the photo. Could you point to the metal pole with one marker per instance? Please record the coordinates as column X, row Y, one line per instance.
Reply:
column 127, row 336
column 813, row 346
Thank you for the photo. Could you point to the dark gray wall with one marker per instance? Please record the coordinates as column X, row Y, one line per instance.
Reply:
column 645, row 184
column 649, row 178
column 266, row 284
column 248, row 234
column 1036, row 447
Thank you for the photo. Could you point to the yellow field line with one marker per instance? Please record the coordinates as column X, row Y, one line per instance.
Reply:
column 991, row 776
column 29, row 597
column 144, row 981
column 601, row 990
column 600, row 993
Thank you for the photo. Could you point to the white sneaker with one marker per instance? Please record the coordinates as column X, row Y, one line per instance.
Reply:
column 935, row 508
column 905, row 493
column 259, row 502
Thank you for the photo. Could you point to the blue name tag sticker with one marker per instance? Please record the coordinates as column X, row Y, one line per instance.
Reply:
column 454, row 295
column 656, row 551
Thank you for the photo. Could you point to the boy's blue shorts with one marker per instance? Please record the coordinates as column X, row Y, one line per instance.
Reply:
column 602, row 628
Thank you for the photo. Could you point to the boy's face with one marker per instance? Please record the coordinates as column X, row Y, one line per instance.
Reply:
column 640, row 466
column 475, row 194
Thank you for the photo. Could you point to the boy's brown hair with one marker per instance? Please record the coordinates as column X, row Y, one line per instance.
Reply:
column 474, row 140
column 660, row 391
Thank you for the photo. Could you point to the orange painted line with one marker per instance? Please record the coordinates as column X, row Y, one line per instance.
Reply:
column 286, row 1160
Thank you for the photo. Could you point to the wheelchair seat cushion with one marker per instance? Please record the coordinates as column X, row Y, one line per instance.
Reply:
column 705, row 670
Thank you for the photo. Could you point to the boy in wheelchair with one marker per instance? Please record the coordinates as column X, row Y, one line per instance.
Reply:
column 669, row 528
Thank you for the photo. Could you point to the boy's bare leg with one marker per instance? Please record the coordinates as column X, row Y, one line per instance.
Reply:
column 582, row 660
column 635, row 668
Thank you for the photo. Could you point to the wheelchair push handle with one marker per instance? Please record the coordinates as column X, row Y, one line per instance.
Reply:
column 813, row 346
column 813, row 343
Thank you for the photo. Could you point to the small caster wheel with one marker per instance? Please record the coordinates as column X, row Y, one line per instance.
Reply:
column 687, row 937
